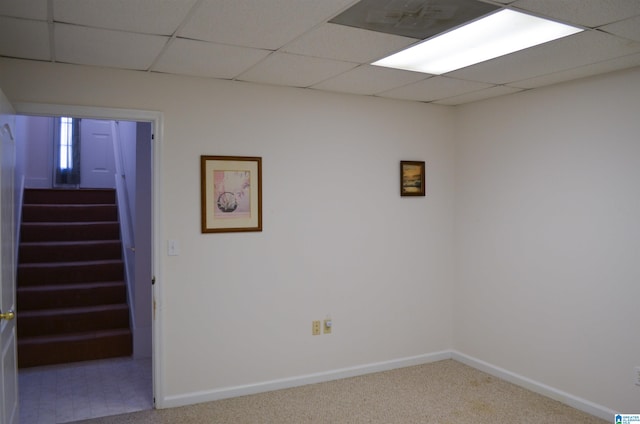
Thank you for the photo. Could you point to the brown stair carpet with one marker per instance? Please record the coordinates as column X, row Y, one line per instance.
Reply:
column 71, row 294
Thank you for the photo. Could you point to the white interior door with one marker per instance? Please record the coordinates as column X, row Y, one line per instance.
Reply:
column 97, row 160
column 8, row 351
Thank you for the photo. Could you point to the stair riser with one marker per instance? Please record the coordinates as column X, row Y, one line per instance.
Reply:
column 70, row 252
column 65, row 196
column 67, row 213
column 59, row 352
column 72, row 322
column 29, row 275
column 52, row 298
column 30, row 232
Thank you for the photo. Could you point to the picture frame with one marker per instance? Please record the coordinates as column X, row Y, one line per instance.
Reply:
column 412, row 178
column 231, row 193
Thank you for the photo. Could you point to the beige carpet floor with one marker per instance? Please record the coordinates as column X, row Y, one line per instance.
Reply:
column 444, row 392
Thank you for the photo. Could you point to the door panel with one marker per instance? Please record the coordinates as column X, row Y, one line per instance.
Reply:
column 97, row 161
column 9, row 374
column 8, row 363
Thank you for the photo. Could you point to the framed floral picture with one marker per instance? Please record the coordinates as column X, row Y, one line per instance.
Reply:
column 231, row 193
column 412, row 178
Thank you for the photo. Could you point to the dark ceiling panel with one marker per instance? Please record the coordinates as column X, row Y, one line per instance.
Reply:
column 412, row 18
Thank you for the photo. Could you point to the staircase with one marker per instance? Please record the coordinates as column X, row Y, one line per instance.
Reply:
column 71, row 294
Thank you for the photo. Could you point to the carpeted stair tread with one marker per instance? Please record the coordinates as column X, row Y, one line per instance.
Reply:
column 69, row 196
column 74, row 347
column 72, row 263
column 69, row 231
column 69, row 264
column 34, row 251
column 68, row 243
column 69, row 213
column 73, row 311
column 71, row 295
column 69, row 205
column 76, row 286
column 40, row 273
column 72, row 320
column 81, row 335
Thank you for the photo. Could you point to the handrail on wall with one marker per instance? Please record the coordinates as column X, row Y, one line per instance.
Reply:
column 126, row 223
column 7, row 128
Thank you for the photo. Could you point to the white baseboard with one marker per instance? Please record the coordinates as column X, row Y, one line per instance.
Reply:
column 285, row 383
column 535, row 386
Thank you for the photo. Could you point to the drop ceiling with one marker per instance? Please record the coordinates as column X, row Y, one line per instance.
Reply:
column 304, row 43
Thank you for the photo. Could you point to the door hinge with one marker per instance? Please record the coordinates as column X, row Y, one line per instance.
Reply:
column 153, row 136
column 153, row 280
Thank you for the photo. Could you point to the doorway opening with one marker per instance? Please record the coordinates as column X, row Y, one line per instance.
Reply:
column 145, row 125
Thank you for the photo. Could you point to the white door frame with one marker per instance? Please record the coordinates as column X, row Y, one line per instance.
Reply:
column 156, row 119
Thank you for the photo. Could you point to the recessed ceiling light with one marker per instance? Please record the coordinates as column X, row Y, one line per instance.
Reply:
column 495, row 35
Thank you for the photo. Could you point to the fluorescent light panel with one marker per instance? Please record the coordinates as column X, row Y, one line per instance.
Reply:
column 495, row 35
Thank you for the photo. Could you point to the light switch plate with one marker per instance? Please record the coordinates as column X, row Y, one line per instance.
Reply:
column 173, row 248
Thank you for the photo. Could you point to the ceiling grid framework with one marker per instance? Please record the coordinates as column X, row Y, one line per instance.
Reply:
column 296, row 43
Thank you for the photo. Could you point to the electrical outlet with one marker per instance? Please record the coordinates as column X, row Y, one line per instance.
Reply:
column 327, row 326
column 636, row 375
column 315, row 328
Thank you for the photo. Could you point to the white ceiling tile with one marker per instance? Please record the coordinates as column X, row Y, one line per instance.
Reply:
column 294, row 70
column 499, row 90
column 629, row 28
column 101, row 47
column 563, row 54
column 590, row 13
column 24, row 39
column 28, row 9
column 340, row 42
column 199, row 58
column 289, row 42
column 434, row 88
column 580, row 72
column 160, row 17
column 368, row 80
column 258, row 23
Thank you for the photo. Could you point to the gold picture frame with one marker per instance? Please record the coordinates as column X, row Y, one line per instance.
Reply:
column 412, row 178
column 231, row 193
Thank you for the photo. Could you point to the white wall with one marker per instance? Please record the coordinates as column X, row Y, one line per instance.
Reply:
column 36, row 135
column 126, row 137
column 548, row 236
column 337, row 239
column 134, row 198
column 546, row 241
column 142, row 346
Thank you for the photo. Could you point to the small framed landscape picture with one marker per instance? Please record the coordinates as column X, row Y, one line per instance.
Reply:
column 231, row 193
column 412, row 180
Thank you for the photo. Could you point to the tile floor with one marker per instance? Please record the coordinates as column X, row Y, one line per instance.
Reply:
column 70, row 392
